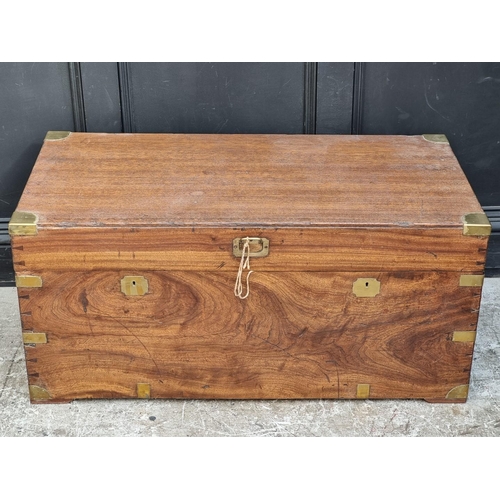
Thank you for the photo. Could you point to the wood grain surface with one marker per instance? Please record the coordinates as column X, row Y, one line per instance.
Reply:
column 92, row 180
column 298, row 335
column 291, row 249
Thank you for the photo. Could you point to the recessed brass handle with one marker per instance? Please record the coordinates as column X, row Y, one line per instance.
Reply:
column 259, row 247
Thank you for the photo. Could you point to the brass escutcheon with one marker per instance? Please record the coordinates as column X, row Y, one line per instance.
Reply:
column 134, row 285
column 366, row 287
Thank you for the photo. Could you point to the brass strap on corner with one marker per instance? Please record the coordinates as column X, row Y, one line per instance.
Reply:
column 34, row 338
column 439, row 138
column 25, row 281
column 464, row 336
column 38, row 393
column 143, row 390
column 471, row 280
column 476, row 224
column 57, row 135
column 458, row 392
column 23, row 224
column 363, row 391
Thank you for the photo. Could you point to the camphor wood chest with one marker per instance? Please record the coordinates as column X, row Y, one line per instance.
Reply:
column 367, row 257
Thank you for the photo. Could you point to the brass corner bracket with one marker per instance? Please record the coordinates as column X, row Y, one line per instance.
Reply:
column 464, row 336
column 143, row 391
column 24, row 281
column 23, row 224
column 57, row 135
column 39, row 393
column 471, row 280
column 440, row 138
column 477, row 224
column 363, row 391
column 458, row 392
column 34, row 338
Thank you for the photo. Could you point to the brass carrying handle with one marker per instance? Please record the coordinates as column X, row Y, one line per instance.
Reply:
column 259, row 247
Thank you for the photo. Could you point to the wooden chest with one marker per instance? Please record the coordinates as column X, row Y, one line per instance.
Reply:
column 133, row 255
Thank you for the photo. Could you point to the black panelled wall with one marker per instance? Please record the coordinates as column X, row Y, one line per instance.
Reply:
column 461, row 100
column 34, row 98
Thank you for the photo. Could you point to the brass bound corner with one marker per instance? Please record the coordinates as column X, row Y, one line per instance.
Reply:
column 464, row 336
column 24, row 281
column 477, row 224
column 57, row 135
column 23, row 224
column 436, row 138
column 471, row 279
column 363, row 391
column 34, row 338
column 39, row 393
column 143, row 391
column 458, row 392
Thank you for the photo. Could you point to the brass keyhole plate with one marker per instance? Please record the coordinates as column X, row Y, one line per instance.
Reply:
column 366, row 287
column 134, row 285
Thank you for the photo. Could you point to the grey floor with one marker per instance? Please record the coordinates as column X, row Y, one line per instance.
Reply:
column 480, row 416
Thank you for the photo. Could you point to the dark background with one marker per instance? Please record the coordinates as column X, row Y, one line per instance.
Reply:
column 461, row 100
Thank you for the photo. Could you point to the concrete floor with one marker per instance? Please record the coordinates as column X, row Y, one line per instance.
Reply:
column 480, row 416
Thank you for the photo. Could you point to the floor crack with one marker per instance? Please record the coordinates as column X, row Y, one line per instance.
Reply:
column 9, row 371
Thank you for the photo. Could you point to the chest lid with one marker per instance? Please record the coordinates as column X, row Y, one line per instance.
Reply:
column 88, row 179
column 308, row 191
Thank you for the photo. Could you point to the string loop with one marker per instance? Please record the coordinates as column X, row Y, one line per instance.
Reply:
column 244, row 264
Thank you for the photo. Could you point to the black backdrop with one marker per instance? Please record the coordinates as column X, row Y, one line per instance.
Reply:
column 461, row 100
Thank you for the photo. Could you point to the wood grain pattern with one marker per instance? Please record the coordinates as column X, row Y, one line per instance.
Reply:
column 165, row 180
column 298, row 335
column 291, row 249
